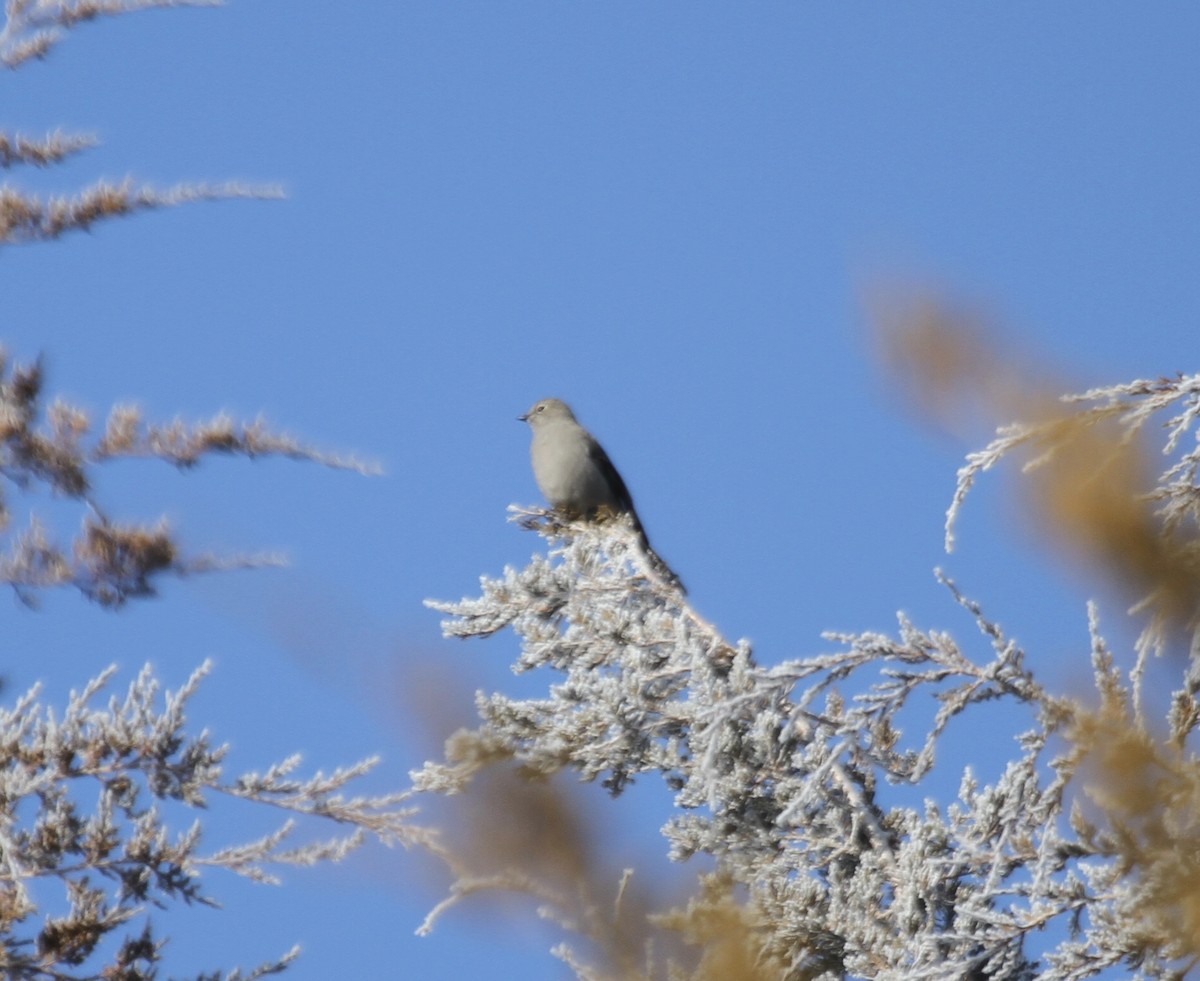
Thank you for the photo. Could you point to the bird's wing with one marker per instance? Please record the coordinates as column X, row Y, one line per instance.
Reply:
column 597, row 455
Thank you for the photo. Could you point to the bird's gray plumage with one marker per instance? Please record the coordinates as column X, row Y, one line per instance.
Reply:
column 576, row 475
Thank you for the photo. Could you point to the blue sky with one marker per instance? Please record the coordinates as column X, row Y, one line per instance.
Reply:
column 669, row 214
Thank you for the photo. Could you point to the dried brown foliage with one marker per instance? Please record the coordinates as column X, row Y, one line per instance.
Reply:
column 109, row 561
column 41, row 152
column 31, row 28
column 527, row 835
column 27, row 217
column 1146, row 793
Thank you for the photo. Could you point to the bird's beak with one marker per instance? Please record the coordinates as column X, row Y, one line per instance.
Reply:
column 524, row 418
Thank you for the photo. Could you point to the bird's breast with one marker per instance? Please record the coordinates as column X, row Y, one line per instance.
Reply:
column 566, row 473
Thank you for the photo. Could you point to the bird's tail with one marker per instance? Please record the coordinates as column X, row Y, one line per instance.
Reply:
column 657, row 563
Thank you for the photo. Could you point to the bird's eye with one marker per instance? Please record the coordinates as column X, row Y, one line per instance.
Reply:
column 539, row 408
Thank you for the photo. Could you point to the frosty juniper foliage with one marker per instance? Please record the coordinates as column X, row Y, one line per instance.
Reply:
column 84, row 800
column 1083, row 856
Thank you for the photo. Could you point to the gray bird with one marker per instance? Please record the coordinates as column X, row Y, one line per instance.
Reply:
column 575, row 474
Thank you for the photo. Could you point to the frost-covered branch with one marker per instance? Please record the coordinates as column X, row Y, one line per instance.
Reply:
column 85, row 801
column 89, row 800
column 783, row 776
